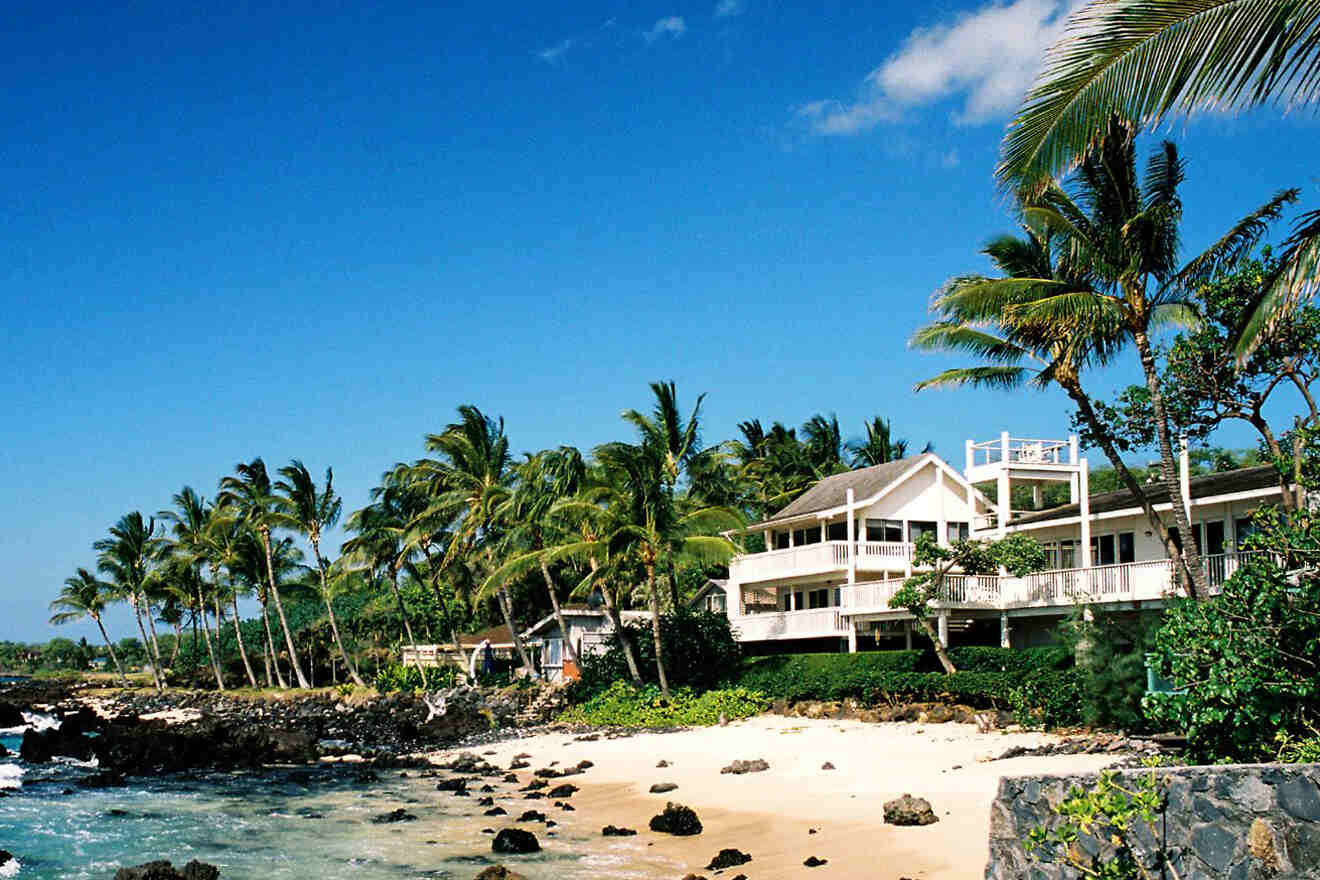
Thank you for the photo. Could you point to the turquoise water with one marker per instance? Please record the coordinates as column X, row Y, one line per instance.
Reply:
column 289, row 826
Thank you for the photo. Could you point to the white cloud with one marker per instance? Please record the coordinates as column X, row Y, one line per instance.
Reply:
column 987, row 58
column 555, row 52
column 673, row 26
column 729, row 8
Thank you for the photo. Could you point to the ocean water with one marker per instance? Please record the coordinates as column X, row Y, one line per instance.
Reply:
column 283, row 825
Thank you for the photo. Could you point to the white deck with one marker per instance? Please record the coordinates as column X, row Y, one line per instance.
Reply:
column 821, row 558
column 1061, row 589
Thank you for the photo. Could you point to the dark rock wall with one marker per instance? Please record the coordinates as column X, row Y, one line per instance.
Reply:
column 1235, row 822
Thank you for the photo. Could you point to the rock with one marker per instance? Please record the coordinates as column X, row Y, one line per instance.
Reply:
column 678, row 820
column 827, row 766
column 612, row 831
column 399, row 815
column 908, row 810
column 511, row 777
column 11, row 716
column 567, row 807
column 757, row 765
column 519, row 765
column 515, row 841
column 5, row 857
column 487, row 801
column 4, row 752
column 661, row 764
column 496, row 811
column 662, row 787
column 813, row 862
column 498, row 872
column 456, row 784
column 532, row 816
column 562, row 791
column 163, row 870
column 728, row 858
column 65, row 741
column 534, row 785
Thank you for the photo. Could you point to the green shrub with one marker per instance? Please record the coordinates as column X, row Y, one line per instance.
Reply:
column 824, row 676
column 623, row 704
column 699, row 651
column 1111, row 661
column 1046, row 700
column 1023, row 661
column 397, row 677
column 1244, row 662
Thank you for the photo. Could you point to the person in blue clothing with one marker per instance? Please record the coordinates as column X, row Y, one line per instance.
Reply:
column 487, row 659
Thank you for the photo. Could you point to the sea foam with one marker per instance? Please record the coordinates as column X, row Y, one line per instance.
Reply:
column 11, row 776
column 10, row 868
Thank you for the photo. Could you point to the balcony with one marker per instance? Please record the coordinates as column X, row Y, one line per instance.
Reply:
column 820, row 558
column 1061, row 588
column 1045, row 459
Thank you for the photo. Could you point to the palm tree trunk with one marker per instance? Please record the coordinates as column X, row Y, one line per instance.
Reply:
column 506, row 607
column 1286, row 494
column 238, row 637
column 440, row 600
column 623, row 635
column 210, row 648
column 151, row 627
column 146, row 644
column 559, row 615
column 398, row 599
column 113, row 656
column 178, row 641
column 330, row 612
column 1197, row 586
column 279, row 609
column 1101, row 433
column 655, row 628
column 271, row 656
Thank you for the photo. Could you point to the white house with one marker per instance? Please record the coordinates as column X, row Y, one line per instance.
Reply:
column 838, row 553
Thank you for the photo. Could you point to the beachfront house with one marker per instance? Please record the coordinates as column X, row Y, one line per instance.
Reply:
column 835, row 556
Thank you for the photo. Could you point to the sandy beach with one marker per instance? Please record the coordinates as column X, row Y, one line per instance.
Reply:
column 796, row 809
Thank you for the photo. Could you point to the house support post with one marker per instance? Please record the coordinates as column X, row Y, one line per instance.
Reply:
column 852, row 637
column 944, row 628
column 852, row 540
column 1004, row 641
column 907, row 635
column 1084, row 508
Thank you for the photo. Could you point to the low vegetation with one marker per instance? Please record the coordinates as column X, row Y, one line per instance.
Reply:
column 626, row 705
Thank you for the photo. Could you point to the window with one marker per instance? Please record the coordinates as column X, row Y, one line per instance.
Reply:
column 958, row 531
column 917, row 528
column 781, row 540
column 884, row 530
column 837, row 531
column 818, row 599
column 1127, row 547
column 1102, row 550
column 552, row 653
column 1061, row 554
column 1243, row 528
column 1209, row 537
column 806, row 536
column 716, row 602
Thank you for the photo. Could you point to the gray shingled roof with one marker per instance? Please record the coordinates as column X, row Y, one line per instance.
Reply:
column 1205, row 486
column 833, row 491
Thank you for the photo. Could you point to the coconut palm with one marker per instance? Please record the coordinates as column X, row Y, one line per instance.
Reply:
column 248, row 496
column 126, row 557
column 191, row 519
column 880, row 446
column 648, row 528
column 1149, row 60
column 222, row 539
column 773, row 464
column 83, row 596
column 377, row 543
column 466, row 486
column 308, row 510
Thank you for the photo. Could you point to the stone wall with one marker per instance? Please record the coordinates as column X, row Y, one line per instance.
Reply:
column 1236, row 822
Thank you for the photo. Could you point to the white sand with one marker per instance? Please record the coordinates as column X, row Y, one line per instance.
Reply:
column 769, row 814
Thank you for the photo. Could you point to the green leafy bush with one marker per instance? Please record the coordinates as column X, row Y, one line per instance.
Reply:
column 699, row 651
column 1023, row 661
column 824, row 676
column 623, row 704
column 1111, row 662
column 1244, row 662
column 397, row 677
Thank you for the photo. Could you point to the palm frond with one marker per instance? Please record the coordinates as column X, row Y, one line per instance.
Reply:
column 978, row 377
column 1236, row 243
column 1296, row 280
column 1147, row 59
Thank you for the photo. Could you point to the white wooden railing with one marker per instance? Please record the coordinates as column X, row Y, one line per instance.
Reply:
column 819, row 558
column 813, row 623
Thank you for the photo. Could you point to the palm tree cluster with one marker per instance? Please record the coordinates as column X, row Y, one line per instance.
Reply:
column 448, row 541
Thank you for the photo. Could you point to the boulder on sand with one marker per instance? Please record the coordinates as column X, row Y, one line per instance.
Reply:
column 498, row 872
column 615, row 831
column 678, row 820
column 728, row 858
column 515, row 841
column 757, row 765
column 662, row 787
column 909, row 810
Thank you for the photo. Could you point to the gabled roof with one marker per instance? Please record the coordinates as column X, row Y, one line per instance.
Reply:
column 865, row 482
column 711, row 584
column 1204, row 486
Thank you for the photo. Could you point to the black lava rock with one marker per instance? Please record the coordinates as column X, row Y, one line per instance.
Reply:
column 399, row 815
column 532, row 816
column 515, row 841
column 163, row 870
column 728, row 858
column 662, row 787
column 813, row 862
column 757, row 765
column 613, row 831
column 678, row 820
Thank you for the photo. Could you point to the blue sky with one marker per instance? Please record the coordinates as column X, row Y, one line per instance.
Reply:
column 232, row 232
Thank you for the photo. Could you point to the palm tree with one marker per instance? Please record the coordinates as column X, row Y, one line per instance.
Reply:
column 649, row 529
column 248, row 494
column 191, row 520
column 880, row 446
column 824, row 446
column 308, row 510
column 1149, row 60
column 126, row 557
column 377, row 542
column 773, row 464
column 1116, row 282
column 675, row 441
column 222, row 540
column 467, row 484
column 85, row 596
